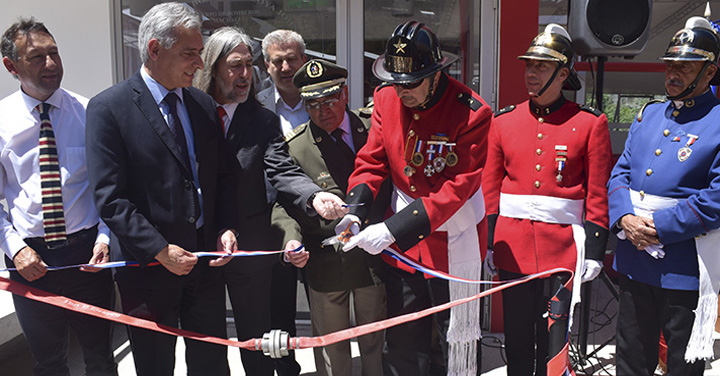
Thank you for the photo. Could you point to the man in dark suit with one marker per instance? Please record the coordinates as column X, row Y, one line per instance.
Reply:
column 325, row 148
column 254, row 138
column 158, row 168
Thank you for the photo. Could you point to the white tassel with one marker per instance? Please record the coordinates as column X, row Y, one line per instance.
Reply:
column 464, row 330
column 700, row 345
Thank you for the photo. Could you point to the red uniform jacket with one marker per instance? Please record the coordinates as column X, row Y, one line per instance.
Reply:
column 526, row 145
column 455, row 115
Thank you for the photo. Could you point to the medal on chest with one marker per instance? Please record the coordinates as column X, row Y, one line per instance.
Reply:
column 561, row 152
column 685, row 151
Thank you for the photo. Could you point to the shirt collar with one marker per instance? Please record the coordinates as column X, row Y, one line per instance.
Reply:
column 54, row 100
column 229, row 109
column 158, row 91
column 281, row 101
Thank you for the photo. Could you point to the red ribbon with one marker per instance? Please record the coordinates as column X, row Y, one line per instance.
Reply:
column 250, row 344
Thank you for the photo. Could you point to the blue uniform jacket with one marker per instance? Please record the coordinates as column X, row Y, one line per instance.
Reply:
column 651, row 163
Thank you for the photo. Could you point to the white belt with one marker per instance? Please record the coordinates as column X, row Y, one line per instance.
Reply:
column 552, row 210
column 542, row 208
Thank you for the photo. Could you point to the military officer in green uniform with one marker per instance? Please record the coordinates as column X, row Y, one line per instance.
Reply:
column 325, row 148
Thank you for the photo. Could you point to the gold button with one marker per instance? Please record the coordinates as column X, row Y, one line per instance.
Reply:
column 411, row 133
column 666, row 132
column 460, row 95
column 537, row 167
column 540, row 136
column 415, row 212
column 648, row 172
column 597, row 234
column 352, row 194
column 416, row 116
column 367, row 221
column 412, row 188
column 324, row 185
column 421, row 236
column 537, row 184
column 541, row 120
column 538, row 151
column 658, row 151
column 642, row 193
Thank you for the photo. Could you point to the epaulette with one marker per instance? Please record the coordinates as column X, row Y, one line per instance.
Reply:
column 295, row 132
column 640, row 113
column 366, row 112
column 591, row 110
column 504, row 110
column 468, row 100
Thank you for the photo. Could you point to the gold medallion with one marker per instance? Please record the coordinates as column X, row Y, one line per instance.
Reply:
column 451, row 159
column 418, row 159
column 408, row 171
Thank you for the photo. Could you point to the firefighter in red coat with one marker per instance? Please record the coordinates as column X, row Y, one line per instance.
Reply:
column 429, row 137
column 545, row 179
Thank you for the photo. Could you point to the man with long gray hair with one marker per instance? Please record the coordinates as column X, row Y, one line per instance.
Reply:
column 254, row 137
column 158, row 167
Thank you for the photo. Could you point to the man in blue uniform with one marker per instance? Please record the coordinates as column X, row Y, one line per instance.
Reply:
column 664, row 201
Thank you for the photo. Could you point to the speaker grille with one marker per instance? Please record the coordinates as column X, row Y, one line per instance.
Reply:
column 617, row 22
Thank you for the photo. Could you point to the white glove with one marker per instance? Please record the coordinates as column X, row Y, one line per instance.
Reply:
column 489, row 264
column 655, row 250
column 592, row 270
column 373, row 239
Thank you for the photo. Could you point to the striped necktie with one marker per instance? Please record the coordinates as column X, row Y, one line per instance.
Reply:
column 52, row 203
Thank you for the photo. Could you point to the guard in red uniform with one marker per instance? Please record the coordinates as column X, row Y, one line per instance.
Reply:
column 429, row 136
column 548, row 163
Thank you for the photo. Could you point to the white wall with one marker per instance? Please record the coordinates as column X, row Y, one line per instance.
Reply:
column 82, row 30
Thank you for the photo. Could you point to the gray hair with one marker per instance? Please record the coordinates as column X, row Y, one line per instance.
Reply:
column 220, row 43
column 161, row 22
column 280, row 37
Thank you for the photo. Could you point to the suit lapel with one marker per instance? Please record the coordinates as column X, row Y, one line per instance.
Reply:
column 146, row 103
column 359, row 132
column 239, row 124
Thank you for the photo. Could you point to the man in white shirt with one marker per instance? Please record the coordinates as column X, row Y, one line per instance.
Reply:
column 284, row 52
column 41, row 230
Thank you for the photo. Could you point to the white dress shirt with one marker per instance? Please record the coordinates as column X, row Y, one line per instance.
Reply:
column 20, row 171
column 290, row 117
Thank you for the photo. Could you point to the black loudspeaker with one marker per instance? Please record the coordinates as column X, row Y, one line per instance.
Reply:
column 609, row 27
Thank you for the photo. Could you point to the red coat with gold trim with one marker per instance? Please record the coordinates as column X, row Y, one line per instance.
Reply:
column 455, row 118
column 527, row 148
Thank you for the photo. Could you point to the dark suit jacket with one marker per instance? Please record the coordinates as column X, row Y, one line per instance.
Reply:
column 255, row 139
column 143, row 191
column 330, row 268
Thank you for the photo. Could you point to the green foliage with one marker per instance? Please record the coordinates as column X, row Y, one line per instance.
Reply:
column 621, row 108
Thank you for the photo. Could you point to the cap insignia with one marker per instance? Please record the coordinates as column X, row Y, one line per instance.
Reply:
column 314, row 70
column 399, row 47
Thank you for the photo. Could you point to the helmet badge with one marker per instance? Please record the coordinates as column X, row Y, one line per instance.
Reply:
column 685, row 36
column 400, row 47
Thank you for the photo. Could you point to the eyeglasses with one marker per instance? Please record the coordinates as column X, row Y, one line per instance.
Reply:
column 326, row 103
column 410, row 85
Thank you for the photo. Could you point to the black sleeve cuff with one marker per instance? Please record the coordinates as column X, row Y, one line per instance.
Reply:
column 596, row 238
column 360, row 194
column 410, row 225
column 491, row 221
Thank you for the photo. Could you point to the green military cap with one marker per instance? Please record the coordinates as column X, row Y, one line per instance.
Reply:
column 319, row 78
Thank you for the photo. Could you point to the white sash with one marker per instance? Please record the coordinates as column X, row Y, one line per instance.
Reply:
column 464, row 260
column 700, row 344
column 552, row 210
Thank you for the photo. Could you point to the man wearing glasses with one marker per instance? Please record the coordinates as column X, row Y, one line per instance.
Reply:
column 429, row 136
column 325, row 148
